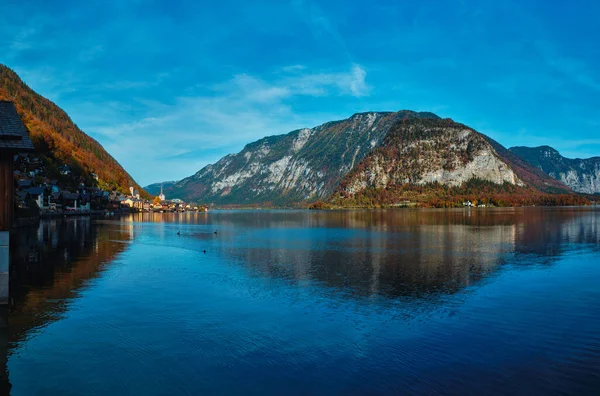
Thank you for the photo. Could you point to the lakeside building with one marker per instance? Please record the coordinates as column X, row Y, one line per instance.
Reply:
column 40, row 195
column 14, row 138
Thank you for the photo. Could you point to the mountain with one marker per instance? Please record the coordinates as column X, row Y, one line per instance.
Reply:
column 371, row 159
column 154, row 189
column 303, row 165
column 423, row 159
column 581, row 175
column 58, row 141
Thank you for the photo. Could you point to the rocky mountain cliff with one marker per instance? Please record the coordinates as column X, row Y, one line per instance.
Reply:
column 436, row 152
column 581, row 175
column 303, row 165
column 430, row 151
column 58, row 141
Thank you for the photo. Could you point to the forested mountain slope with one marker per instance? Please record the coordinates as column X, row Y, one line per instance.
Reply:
column 58, row 141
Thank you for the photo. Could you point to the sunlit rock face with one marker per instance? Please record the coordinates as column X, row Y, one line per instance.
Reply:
column 581, row 175
column 431, row 151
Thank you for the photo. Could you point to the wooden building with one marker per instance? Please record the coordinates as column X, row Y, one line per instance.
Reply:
column 13, row 139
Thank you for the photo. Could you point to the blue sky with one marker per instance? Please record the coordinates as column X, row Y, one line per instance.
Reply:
column 170, row 86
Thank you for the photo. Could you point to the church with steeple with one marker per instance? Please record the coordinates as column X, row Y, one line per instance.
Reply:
column 161, row 196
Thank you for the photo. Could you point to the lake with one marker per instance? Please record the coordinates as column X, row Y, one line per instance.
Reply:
column 454, row 302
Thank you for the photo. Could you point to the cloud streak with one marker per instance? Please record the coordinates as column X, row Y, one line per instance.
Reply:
column 298, row 83
column 320, row 25
column 575, row 70
column 171, row 138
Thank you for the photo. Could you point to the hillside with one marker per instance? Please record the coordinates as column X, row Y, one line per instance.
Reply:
column 441, row 161
column 58, row 141
column 303, row 165
column 581, row 175
column 154, row 189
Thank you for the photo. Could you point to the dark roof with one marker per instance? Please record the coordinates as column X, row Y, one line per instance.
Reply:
column 13, row 134
column 36, row 190
column 24, row 183
column 22, row 195
column 69, row 196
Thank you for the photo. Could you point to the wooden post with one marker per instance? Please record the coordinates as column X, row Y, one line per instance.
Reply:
column 7, row 190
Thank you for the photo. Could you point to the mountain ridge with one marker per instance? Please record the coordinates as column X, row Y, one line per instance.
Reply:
column 580, row 174
column 154, row 188
column 315, row 164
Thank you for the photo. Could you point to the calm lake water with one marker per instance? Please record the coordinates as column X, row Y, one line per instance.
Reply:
column 493, row 301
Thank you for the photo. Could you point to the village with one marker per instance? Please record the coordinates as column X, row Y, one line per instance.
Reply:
column 36, row 194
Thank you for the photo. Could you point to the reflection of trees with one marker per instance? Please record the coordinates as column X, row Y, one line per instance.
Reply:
column 416, row 253
column 387, row 252
column 549, row 233
column 432, row 259
column 50, row 264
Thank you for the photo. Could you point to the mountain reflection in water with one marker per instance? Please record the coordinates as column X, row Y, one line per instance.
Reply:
column 401, row 264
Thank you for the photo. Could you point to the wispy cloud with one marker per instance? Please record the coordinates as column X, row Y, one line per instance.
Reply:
column 151, row 81
column 298, row 81
column 575, row 70
column 246, row 87
column 320, row 24
column 23, row 39
column 174, row 140
column 293, row 68
column 347, row 83
column 118, row 131
column 357, row 84
column 91, row 53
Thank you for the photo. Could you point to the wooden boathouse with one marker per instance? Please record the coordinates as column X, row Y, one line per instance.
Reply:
column 13, row 139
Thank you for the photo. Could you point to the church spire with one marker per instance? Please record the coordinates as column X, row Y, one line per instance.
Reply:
column 162, row 195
